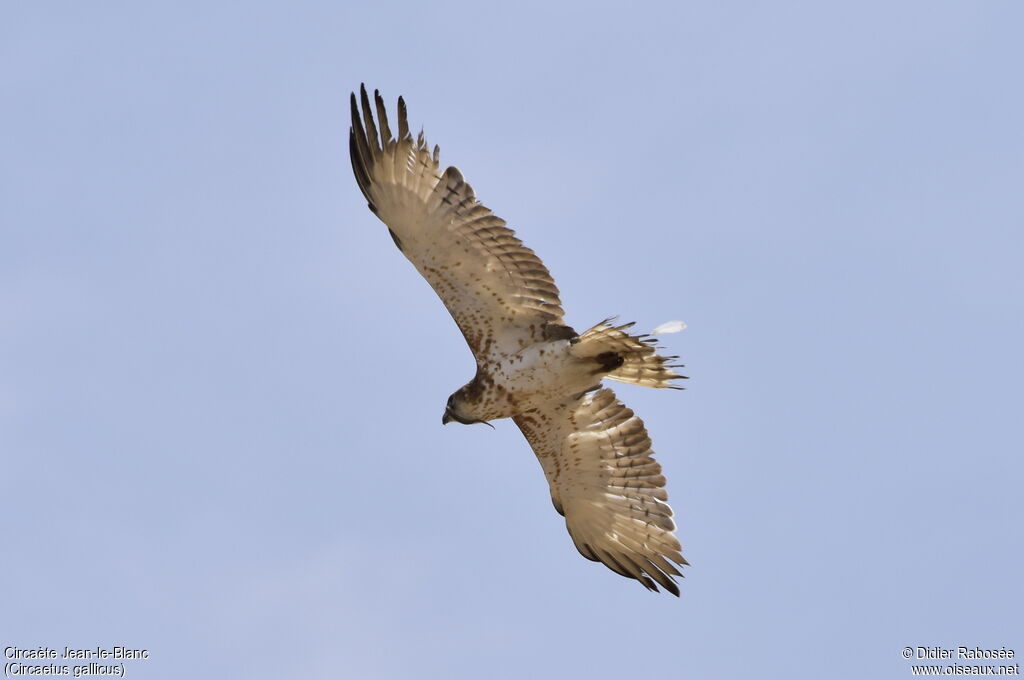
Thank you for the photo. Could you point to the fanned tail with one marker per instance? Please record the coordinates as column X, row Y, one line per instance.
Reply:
column 626, row 358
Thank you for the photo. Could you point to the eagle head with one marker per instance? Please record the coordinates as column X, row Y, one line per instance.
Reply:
column 453, row 412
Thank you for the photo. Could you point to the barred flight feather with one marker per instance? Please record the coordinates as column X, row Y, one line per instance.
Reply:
column 613, row 516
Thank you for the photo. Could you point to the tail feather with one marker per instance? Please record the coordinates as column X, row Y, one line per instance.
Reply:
column 626, row 358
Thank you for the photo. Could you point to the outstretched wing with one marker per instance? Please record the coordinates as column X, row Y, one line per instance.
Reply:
column 498, row 291
column 598, row 461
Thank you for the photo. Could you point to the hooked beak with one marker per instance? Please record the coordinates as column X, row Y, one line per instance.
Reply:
column 449, row 417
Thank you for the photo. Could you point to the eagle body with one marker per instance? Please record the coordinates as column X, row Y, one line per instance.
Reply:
column 532, row 367
column 527, row 379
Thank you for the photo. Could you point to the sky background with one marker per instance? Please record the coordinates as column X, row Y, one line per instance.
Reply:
column 221, row 384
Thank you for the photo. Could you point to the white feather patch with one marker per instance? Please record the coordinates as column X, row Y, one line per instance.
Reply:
column 669, row 327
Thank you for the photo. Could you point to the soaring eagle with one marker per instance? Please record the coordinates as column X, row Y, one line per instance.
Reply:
column 531, row 366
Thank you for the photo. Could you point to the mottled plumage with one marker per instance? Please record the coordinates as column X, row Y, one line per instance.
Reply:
column 531, row 366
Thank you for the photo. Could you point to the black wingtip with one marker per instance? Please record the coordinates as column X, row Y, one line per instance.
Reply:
column 359, row 150
column 665, row 581
column 403, row 120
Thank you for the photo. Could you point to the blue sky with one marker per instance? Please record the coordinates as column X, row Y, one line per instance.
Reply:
column 221, row 385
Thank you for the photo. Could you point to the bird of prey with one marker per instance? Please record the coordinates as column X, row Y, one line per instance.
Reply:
column 531, row 366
